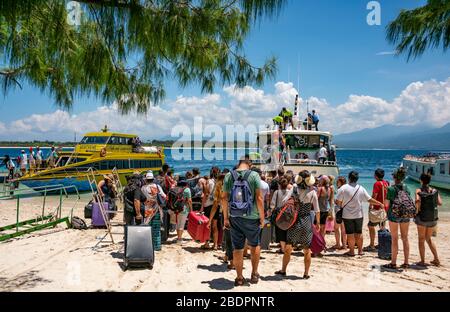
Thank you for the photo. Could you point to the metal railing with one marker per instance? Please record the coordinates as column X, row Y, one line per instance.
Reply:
column 42, row 221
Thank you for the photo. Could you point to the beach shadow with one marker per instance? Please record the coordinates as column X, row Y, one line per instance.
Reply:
column 279, row 278
column 117, row 255
column 383, row 269
column 23, row 281
column 220, row 284
column 417, row 267
column 196, row 250
column 216, row 268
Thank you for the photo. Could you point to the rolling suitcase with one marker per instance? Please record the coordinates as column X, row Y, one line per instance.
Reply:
column 138, row 246
column 198, row 227
column 384, row 244
column 165, row 226
column 97, row 217
column 266, row 236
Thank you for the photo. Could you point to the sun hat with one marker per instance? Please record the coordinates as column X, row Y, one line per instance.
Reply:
column 108, row 177
column 149, row 175
column 309, row 181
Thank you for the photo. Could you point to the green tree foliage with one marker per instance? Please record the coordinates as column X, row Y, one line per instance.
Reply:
column 417, row 30
column 126, row 50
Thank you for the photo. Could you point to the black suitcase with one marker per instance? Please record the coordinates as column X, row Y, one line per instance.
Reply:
column 165, row 226
column 384, row 244
column 266, row 236
column 88, row 210
column 138, row 246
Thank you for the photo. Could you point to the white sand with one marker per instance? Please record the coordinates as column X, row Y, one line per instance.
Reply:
column 63, row 260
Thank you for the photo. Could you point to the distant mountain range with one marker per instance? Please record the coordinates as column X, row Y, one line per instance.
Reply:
column 399, row 137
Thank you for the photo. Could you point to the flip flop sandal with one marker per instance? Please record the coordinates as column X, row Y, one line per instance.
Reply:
column 280, row 273
column 390, row 266
column 405, row 266
column 347, row 254
column 421, row 264
column 240, row 282
column 230, row 267
column 254, row 279
column 306, row 277
column 369, row 249
column 436, row 263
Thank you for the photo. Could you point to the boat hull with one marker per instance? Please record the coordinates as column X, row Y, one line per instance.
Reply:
column 439, row 179
column 82, row 185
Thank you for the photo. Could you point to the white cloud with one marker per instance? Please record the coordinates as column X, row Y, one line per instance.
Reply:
column 420, row 102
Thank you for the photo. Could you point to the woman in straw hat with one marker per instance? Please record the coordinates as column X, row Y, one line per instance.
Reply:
column 301, row 232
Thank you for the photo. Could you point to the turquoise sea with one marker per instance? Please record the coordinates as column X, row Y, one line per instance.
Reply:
column 363, row 161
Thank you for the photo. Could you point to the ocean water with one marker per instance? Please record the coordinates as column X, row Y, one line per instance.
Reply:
column 363, row 161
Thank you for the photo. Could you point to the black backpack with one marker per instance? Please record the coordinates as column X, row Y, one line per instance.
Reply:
column 176, row 200
column 78, row 223
column 428, row 206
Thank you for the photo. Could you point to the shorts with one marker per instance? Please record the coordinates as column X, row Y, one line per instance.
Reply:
column 394, row 219
column 280, row 235
column 323, row 218
column 427, row 224
column 181, row 221
column 242, row 229
column 376, row 224
column 353, row 226
column 207, row 212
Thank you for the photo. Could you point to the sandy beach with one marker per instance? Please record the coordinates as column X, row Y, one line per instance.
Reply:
column 60, row 259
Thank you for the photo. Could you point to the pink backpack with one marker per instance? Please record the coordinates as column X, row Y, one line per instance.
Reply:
column 318, row 242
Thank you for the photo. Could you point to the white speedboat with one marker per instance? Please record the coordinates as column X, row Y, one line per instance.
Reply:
column 436, row 164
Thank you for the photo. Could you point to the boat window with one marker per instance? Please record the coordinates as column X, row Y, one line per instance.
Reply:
column 94, row 140
column 417, row 168
column 442, row 168
column 304, row 141
column 104, row 165
column 139, row 164
column 115, row 140
column 431, row 171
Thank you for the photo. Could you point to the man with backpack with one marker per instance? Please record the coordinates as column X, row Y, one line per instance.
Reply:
column 179, row 201
column 243, row 210
column 134, row 201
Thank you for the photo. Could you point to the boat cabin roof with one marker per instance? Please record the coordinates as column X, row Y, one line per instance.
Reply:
column 109, row 134
column 298, row 132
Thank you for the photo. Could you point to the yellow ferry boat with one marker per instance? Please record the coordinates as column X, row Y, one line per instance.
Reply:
column 98, row 154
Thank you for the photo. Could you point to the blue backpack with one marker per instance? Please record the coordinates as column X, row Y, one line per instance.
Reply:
column 241, row 197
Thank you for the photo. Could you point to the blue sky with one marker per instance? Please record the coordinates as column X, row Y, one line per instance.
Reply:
column 336, row 47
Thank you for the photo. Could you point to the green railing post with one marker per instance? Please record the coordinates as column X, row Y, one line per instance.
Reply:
column 43, row 204
column 60, row 203
column 17, row 213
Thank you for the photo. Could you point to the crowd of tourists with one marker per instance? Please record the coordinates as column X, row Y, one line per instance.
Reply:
column 297, row 209
column 32, row 161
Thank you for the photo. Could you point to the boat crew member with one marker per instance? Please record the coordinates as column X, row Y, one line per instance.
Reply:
column 323, row 154
column 23, row 162
column 39, row 158
column 287, row 117
column 315, row 119
column 32, row 161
